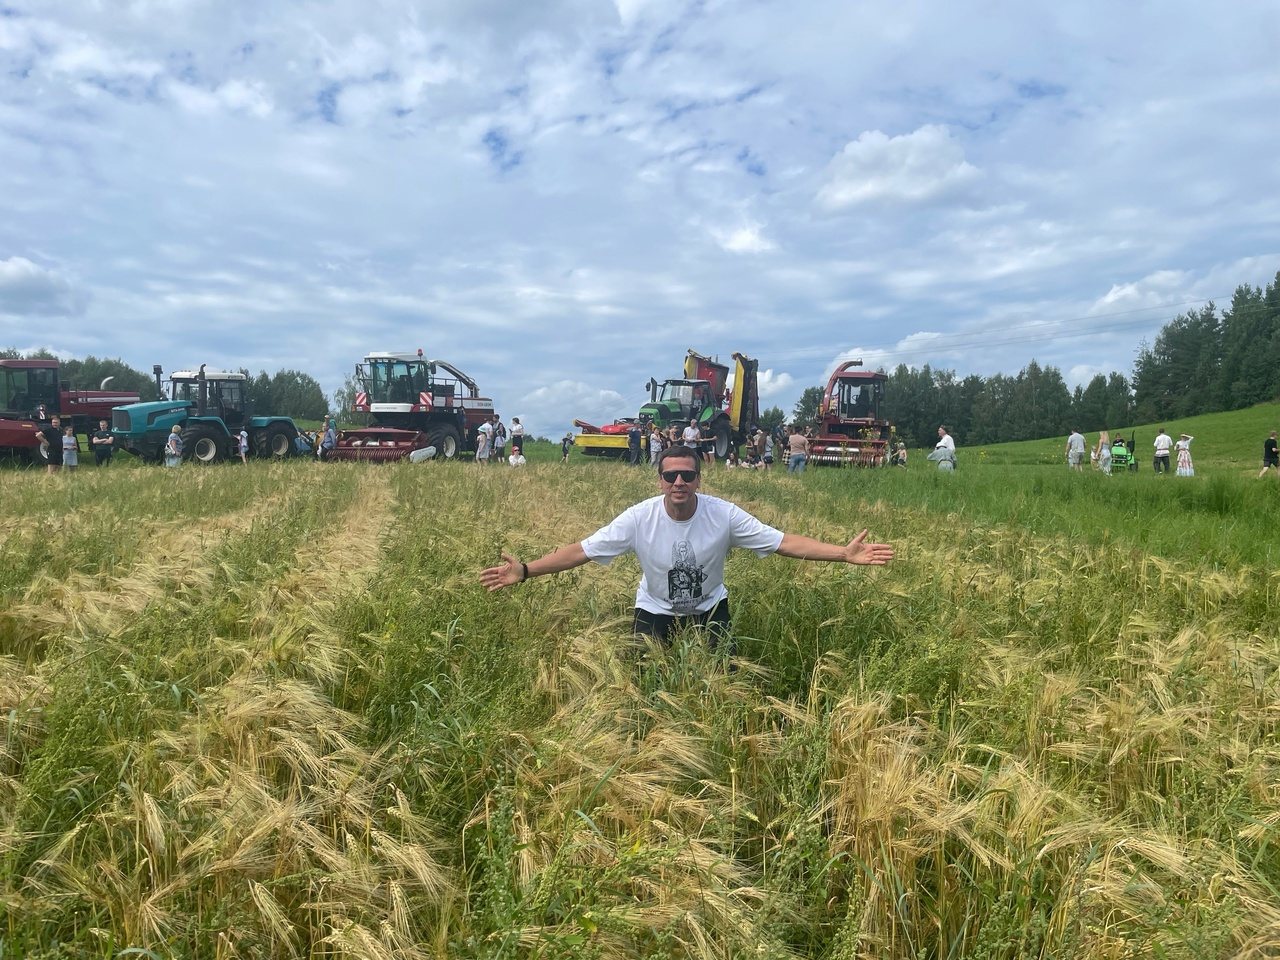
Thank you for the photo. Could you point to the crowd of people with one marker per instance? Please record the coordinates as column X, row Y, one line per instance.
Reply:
column 1110, row 453
column 491, row 442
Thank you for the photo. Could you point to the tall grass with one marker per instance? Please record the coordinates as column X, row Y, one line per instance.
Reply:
column 269, row 712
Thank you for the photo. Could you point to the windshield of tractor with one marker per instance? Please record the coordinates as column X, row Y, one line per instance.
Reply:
column 396, row 381
column 21, row 391
column 856, row 400
column 186, row 390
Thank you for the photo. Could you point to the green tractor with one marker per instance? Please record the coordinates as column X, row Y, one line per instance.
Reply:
column 703, row 398
column 212, row 408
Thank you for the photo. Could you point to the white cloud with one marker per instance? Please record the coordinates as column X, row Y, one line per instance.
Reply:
column 927, row 164
column 27, row 288
column 774, row 384
column 744, row 239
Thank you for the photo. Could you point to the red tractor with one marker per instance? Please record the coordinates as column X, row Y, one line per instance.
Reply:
column 850, row 430
column 416, row 405
column 32, row 389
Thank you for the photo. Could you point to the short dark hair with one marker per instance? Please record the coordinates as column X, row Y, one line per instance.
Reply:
column 680, row 452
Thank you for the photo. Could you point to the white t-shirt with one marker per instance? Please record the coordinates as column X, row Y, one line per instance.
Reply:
column 946, row 443
column 691, row 435
column 486, row 428
column 516, row 460
column 1075, row 443
column 1162, row 444
column 683, row 561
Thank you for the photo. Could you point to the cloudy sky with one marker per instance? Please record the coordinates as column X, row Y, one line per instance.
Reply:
column 562, row 196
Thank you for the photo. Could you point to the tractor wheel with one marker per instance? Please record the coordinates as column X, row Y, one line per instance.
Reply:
column 446, row 441
column 200, row 445
column 721, row 433
column 276, row 442
column 40, row 455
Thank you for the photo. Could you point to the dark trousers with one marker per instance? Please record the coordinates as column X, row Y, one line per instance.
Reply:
column 1160, row 464
column 715, row 621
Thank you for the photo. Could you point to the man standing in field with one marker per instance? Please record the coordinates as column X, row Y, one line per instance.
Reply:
column 52, row 436
column 1270, row 455
column 103, row 444
column 682, row 539
column 1075, row 450
column 1163, row 444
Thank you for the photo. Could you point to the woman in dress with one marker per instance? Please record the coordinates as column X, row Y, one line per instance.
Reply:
column 1183, row 447
column 1102, row 452
column 70, row 449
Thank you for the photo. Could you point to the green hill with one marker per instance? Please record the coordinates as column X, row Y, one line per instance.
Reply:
column 1231, row 440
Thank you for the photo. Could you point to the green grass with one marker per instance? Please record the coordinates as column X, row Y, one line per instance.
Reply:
column 1230, row 441
column 268, row 711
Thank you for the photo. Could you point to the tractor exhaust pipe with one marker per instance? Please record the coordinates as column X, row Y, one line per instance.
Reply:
column 158, row 373
column 202, row 397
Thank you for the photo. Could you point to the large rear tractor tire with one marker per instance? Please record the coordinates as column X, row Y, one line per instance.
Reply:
column 201, row 445
column 723, row 441
column 276, row 442
column 446, row 441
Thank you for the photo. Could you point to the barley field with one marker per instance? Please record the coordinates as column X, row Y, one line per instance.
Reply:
column 267, row 711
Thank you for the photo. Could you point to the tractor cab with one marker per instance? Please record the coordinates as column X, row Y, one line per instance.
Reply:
column 678, row 400
column 856, row 399
column 225, row 395
column 25, row 385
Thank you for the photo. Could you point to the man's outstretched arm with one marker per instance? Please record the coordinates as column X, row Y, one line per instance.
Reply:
column 511, row 571
column 855, row 551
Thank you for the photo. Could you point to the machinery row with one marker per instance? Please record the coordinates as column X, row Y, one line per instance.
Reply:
column 422, row 408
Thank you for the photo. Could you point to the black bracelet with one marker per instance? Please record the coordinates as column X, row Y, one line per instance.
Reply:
column 524, row 571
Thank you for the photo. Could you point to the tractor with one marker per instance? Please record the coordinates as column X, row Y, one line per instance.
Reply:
column 702, row 397
column 212, row 408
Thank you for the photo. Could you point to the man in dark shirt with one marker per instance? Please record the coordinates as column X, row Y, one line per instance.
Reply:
column 52, row 436
column 633, row 445
column 1270, row 455
column 103, row 443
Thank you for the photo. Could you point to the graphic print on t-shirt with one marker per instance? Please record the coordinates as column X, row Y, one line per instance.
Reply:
column 685, row 578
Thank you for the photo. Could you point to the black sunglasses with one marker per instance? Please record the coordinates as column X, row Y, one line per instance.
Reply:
column 688, row 476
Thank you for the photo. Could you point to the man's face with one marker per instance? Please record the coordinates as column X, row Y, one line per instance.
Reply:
column 102, row 424
column 679, row 490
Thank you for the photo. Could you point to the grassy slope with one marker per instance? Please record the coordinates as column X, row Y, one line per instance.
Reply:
column 1229, row 441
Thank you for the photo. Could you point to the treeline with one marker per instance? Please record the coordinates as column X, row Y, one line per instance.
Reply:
column 289, row 393
column 1035, row 403
column 1204, row 362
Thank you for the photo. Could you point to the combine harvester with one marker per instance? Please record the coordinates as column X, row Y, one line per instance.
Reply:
column 28, row 386
column 702, row 397
column 851, row 432
column 421, row 409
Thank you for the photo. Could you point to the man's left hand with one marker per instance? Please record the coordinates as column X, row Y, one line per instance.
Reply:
column 867, row 554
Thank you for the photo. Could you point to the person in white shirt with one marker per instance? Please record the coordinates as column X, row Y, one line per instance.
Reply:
column 517, row 458
column 1075, row 450
column 1163, row 444
column 682, row 539
column 517, row 436
column 484, row 437
column 944, row 451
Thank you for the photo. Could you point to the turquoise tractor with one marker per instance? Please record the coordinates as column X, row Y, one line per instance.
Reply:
column 212, row 408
